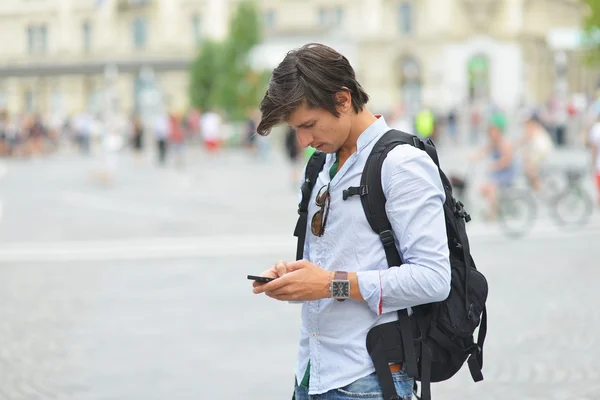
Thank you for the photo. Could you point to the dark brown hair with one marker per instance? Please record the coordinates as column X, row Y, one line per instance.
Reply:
column 313, row 74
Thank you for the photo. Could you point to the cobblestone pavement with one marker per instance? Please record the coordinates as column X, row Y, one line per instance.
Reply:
column 139, row 291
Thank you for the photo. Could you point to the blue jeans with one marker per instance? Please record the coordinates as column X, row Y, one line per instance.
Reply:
column 364, row 388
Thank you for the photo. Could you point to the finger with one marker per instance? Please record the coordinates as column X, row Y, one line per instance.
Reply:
column 281, row 294
column 295, row 265
column 260, row 287
column 280, row 268
column 270, row 273
column 271, row 286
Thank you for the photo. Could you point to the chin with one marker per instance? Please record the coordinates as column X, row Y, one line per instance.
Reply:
column 326, row 149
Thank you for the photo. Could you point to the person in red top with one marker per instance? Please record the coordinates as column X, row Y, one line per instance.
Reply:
column 176, row 138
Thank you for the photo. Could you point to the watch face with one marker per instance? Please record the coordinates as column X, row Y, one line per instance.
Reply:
column 340, row 289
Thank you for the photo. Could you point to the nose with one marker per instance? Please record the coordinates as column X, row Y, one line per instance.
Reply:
column 304, row 137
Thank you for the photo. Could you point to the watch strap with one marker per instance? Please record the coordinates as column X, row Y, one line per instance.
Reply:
column 340, row 276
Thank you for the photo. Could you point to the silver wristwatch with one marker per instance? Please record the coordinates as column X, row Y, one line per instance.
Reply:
column 340, row 286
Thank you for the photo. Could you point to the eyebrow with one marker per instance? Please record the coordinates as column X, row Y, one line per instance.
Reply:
column 306, row 124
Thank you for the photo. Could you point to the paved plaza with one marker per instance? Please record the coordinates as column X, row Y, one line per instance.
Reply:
column 139, row 291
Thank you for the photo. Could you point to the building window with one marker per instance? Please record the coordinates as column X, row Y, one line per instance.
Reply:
column 86, row 31
column 43, row 39
column 197, row 29
column 405, row 18
column 140, row 32
column 330, row 16
column 322, row 16
column 339, row 16
column 270, row 18
column 37, row 39
column 31, row 39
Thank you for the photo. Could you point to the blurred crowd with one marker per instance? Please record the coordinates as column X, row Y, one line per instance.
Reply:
column 24, row 136
column 565, row 120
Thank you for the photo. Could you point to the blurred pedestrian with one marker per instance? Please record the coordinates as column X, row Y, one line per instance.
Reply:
column 161, row 132
column 210, row 129
column 451, row 125
column 537, row 145
column 137, row 137
column 425, row 123
column 293, row 151
column 176, row 139
column 594, row 143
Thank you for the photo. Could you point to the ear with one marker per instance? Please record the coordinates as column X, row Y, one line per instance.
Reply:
column 343, row 100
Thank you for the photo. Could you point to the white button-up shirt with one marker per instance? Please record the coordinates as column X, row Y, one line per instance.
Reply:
column 333, row 334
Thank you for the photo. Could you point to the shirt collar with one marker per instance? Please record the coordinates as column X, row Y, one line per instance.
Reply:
column 374, row 130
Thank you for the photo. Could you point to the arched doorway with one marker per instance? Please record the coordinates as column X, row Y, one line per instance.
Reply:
column 410, row 85
column 478, row 78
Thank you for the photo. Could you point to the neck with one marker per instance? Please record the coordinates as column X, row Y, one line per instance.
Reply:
column 360, row 123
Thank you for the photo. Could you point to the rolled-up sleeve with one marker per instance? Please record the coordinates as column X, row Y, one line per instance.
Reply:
column 415, row 198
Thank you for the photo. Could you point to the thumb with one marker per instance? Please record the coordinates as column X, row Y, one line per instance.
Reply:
column 296, row 265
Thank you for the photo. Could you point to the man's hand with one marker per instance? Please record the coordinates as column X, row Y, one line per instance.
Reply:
column 276, row 271
column 302, row 281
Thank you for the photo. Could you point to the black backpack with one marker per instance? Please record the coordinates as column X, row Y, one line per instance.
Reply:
column 436, row 339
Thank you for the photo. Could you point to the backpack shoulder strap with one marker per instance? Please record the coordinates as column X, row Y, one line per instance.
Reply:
column 313, row 168
column 373, row 200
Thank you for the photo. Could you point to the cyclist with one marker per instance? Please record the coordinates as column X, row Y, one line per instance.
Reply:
column 538, row 145
column 502, row 169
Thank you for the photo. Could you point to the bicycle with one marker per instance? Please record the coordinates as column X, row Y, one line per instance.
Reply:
column 573, row 197
column 517, row 208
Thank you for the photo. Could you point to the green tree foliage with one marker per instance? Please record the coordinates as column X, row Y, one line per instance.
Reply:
column 221, row 75
column 592, row 28
column 203, row 70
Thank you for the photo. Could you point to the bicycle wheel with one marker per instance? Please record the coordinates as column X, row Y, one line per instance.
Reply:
column 573, row 207
column 517, row 211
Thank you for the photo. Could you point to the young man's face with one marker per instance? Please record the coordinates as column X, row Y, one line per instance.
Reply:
column 318, row 128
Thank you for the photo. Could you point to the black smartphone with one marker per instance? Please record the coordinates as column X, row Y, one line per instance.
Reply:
column 262, row 279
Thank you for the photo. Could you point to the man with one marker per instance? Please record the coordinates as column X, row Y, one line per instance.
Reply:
column 314, row 90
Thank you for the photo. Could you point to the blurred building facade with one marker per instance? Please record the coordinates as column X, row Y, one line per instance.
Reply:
column 440, row 53
column 60, row 51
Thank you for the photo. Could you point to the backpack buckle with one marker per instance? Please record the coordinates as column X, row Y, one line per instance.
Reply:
column 387, row 238
column 459, row 210
column 355, row 191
